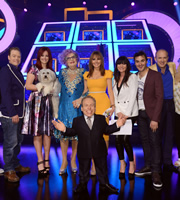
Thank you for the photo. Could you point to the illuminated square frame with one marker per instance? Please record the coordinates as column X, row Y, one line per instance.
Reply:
column 28, row 60
column 146, row 31
column 79, row 23
column 42, row 30
column 122, row 32
column 116, row 51
column 110, row 51
column 64, row 33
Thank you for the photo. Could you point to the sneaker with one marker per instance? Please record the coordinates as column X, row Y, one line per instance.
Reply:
column 1, row 171
column 156, row 180
column 177, row 163
column 143, row 172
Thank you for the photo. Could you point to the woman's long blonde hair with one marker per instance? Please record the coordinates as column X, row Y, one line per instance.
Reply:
column 177, row 75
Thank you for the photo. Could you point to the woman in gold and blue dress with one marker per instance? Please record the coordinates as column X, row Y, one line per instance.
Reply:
column 72, row 83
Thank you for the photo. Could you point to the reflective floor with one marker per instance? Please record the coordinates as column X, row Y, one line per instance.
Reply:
column 60, row 187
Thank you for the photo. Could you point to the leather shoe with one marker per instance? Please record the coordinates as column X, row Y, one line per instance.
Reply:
column 11, row 176
column 170, row 168
column 108, row 188
column 80, row 188
column 22, row 169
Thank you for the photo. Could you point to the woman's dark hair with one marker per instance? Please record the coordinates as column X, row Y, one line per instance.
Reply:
column 117, row 74
column 91, row 67
column 39, row 54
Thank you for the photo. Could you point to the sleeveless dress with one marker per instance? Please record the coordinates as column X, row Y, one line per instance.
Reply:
column 70, row 91
column 97, row 89
column 38, row 113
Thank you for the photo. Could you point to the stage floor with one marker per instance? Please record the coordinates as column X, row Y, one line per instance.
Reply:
column 60, row 187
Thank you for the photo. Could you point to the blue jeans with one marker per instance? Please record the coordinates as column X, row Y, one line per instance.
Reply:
column 12, row 142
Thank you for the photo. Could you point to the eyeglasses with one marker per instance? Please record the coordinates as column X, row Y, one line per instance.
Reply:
column 69, row 58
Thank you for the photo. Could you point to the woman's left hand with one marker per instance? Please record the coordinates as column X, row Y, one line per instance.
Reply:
column 76, row 103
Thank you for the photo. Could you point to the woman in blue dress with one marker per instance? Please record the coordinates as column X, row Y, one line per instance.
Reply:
column 72, row 83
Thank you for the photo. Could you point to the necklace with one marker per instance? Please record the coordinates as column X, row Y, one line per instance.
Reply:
column 72, row 71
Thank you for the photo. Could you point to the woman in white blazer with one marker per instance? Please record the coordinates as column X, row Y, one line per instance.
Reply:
column 125, row 91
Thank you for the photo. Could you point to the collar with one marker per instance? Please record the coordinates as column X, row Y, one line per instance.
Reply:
column 14, row 67
column 159, row 69
column 92, row 117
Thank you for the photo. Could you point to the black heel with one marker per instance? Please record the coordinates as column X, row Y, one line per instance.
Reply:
column 131, row 176
column 41, row 172
column 46, row 168
column 121, row 175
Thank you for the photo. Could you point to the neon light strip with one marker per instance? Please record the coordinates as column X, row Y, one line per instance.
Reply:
column 37, row 41
column 108, row 27
column 110, row 52
column 147, row 33
column 38, row 46
column 116, row 51
column 170, row 26
column 10, row 26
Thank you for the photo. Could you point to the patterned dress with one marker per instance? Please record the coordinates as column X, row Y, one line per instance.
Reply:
column 70, row 91
column 38, row 114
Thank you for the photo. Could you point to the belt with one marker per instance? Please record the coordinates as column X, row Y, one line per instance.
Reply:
column 97, row 92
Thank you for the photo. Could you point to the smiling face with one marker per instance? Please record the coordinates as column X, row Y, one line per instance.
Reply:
column 122, row 67
column 71, row 61
column 161, row 58
column 44, row 58
column 141, row 63
column 88, row 107
column 96, row 61
column 14, row 57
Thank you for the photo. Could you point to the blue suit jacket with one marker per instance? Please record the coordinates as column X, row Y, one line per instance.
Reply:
column 12, row 89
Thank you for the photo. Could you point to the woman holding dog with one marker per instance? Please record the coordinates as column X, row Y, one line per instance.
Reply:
column 96, row 81
column 72, row 86
column 38, row 116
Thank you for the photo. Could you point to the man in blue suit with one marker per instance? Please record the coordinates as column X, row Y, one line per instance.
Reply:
column 12, row 89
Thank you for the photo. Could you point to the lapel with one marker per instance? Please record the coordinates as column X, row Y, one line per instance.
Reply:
column 20, row 79
column 148, row 78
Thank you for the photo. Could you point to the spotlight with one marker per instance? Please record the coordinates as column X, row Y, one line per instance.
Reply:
column 175, row 3
column 49, row 4
column 84, row 3
column 105, row 6
column 132, row 4
column 25, row 9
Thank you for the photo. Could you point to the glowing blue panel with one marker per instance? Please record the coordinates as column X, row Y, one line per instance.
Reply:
column 88, row 48
column 94, row 27
column 57, row 46
column 132, row 23
column 2, row 32
column 55, row 24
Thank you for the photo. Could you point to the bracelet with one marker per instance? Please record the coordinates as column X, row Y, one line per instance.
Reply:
column 112, row 105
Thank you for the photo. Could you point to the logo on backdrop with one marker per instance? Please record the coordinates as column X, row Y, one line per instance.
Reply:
column 7, row 26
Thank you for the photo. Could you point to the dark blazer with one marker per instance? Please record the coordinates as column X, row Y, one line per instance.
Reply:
column 153, row 95
column 12, row 89
column 91, row 143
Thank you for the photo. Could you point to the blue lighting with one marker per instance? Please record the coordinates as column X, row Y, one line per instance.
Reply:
column 2, row 32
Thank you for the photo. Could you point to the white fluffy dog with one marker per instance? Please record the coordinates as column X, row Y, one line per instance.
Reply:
column 49, row 84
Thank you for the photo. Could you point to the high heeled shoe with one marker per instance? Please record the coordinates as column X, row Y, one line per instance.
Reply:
column 46, row 168
column 41, row 172
column 131, row 176
column 62, row 171
column 74, row 170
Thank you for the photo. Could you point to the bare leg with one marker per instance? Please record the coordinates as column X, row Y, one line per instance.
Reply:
column 47, row 144
column 64, row 147
column 93, row 169
column 131, row 167
column 107, row 144
column 38, row 147
column 74, row 152
column 123, row 166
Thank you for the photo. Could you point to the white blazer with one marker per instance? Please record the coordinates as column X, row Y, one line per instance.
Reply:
column 126, row 100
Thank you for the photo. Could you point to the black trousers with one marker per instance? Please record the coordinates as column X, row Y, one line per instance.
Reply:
column 177, row 132
column 167, row 129
column 101, row 169
column 151, row 142
column 123, row 142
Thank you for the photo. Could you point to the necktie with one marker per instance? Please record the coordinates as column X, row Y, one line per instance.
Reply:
column 89, row 123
